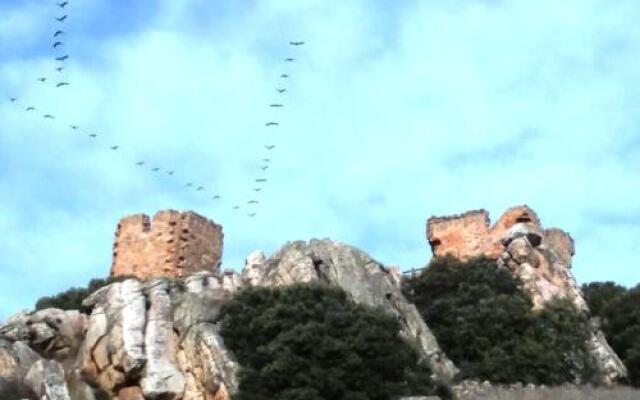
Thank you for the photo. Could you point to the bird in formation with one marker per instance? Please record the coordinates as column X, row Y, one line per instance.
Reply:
column 13, row 99
column 93, row 135
column 281, row 90
column 114, row 147
column 42, row 79
column 284, row 76
column 155, row 169
column 140, row 163
column 252, row 215
column 264, row 167
column 257, row 189
column 261, row 180
column 49, row 116
column 61, row 19
column 266, row 159
column 288, row 59
column 270, row 147
column 171, row 172
column 63, row 58
column 63, row 4
column 30, row 108
column 272, row 124
column 189, row 184
column 59, row 69
column 236, row 207
column 200, row 188
column 276, row 105
column 253, row 202
column 58, row 33
column 216, row 197
column 74, row 127
column 57, row 44
column 296, row 43
column 62, row 84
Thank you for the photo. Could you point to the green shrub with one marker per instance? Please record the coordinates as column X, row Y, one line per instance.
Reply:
column 71, row 299
column 485, row 323
column 619, row 311
column 310, row 342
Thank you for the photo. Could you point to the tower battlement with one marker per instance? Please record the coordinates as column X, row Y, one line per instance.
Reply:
column 172, row 244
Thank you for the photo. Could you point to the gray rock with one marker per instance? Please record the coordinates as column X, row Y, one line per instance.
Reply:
column 47, row 380
column 364, row 279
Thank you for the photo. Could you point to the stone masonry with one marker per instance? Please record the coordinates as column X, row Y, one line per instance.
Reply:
column 172, row 244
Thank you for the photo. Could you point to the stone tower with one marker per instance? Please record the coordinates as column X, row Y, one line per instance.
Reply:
column 172, row 244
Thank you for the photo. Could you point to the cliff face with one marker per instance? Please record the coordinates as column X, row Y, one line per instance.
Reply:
column 159, row 339
column 540, row 258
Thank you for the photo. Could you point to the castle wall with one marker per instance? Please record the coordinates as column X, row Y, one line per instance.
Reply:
column 172, row 244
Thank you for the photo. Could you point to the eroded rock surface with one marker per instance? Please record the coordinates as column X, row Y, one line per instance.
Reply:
column 364, row 279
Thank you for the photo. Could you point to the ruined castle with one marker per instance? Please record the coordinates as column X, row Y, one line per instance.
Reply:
column 172, row 244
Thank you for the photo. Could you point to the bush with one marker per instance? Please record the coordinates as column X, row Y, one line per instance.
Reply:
column 485, row 323
column 310, row 342
column 71, row 299
column 619, row 311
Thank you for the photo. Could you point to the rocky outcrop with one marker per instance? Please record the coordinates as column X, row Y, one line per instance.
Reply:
column 364, row 279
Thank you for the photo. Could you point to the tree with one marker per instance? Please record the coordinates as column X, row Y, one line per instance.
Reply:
column 311, row 342
column 485, row 323
column 618, row 309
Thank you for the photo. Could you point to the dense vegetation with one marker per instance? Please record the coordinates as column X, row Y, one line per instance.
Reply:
column 485, row 323
column 71, row 299
column 619, row 311
column 310, row 342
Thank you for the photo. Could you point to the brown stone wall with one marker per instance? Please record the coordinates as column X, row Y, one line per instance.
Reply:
column 469, row 235
column 173, row 244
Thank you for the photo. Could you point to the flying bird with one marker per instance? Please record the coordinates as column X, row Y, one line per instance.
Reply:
column 284, row 76
column 189, row 184
column 61, row 19
column 59, row 69
column 270, row 147
column 49, row 116
column 31, row 109
column 92, row 135
column 276, row 105
column 58, row 43
column 140, row 163
column 58, row 33
column 63, row 4
column 252, row 215
column 257, row 189
column 114, row 147
column 266, row 159
column 63, row 58
column 236, row 207
column 272, row 124
column 62, row 84
column 200, row 188
column 13, row 99
column 42, row 79
column 74, row 127
column 264, row 167
column 155, row 169
column 296, row 43
column 288, row 59
column 171, row 172
column 281, row 90
column 216, row 197
column 260, row 180
column 253, row 202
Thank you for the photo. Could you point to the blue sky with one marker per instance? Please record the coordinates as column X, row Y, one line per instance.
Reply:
column 395, row 111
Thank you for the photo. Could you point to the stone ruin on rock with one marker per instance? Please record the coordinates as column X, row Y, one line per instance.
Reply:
column 172, row 244
column 540, row 258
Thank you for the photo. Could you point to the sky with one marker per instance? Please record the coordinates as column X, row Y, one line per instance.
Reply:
column 394, row 112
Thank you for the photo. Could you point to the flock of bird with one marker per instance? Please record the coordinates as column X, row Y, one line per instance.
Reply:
column 264, row 165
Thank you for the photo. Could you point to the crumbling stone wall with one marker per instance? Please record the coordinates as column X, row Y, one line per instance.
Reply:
column 172, row 244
